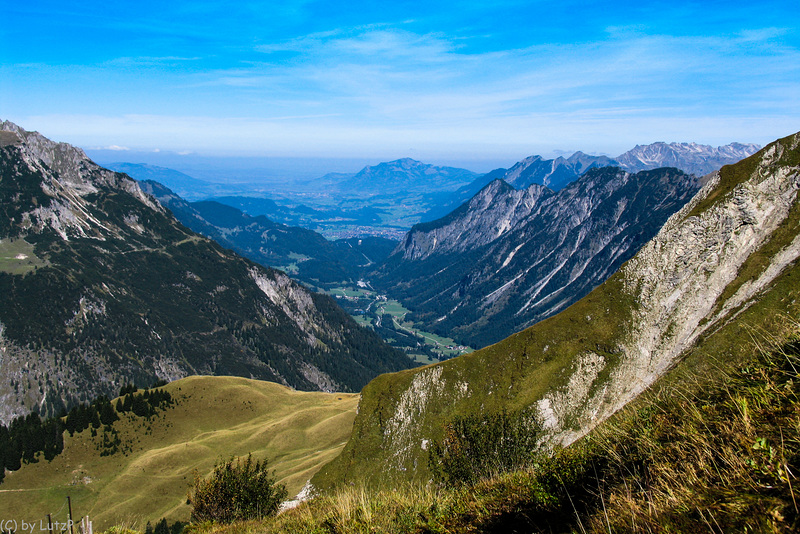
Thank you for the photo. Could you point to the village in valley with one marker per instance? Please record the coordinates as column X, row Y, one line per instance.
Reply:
column 387, row 316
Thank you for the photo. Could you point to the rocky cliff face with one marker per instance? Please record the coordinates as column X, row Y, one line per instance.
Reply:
column 723, row 266
column 489, row 215
column 553, row 173
column 100, row 286
column 510, row 258
column 692, row 278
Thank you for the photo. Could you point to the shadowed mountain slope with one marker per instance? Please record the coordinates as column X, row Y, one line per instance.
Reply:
column 510, row 258
column 103, row 287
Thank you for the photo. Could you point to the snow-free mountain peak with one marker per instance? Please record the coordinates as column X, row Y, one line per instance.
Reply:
column 693, row 158
column 406, row 175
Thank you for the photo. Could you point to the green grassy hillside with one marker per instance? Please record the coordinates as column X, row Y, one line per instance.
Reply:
column 715, row 452
column 213, row 418
column 723, row 268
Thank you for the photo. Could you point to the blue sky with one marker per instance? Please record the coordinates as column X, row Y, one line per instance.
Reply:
column 455, row 81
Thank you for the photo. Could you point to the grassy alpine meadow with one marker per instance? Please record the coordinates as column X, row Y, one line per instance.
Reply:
column 17, row 257
column 149, row 475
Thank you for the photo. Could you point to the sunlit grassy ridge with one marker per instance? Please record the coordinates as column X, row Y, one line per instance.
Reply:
column 214, row 417
column 509, row 375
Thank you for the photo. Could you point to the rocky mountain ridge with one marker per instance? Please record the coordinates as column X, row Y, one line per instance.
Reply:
column 100, row 286
column 692, row 158
column 721, row 268
column 553, row 173
column 511, row 257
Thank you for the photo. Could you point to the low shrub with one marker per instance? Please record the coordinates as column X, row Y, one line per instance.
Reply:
column 237, row 490
column 478, row 446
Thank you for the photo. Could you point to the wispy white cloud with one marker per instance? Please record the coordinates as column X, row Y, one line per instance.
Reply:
column 115, row 148
column 761, row 35
column 148, row 61
column 381, row 74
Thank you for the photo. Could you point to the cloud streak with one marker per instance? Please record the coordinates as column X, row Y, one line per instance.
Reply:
column 398, row 75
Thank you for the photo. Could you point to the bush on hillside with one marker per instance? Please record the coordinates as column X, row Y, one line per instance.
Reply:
column 478, row 446
column 237, row 490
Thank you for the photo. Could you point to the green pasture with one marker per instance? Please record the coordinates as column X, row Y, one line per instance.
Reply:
column 17, row 257
column 214, row 418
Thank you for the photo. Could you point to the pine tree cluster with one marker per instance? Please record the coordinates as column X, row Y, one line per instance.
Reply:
column 29, row 437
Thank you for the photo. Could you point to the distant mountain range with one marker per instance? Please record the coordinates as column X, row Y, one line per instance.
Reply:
column 303, row 253
column 387, row 199
column 691, row 158
column 101, row 286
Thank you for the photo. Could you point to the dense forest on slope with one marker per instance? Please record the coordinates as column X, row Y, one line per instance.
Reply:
column 30, row 439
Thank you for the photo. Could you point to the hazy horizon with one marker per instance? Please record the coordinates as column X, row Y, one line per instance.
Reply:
column 293, row 168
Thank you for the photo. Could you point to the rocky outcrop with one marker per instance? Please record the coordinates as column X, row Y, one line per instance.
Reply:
column 679, row 279
column 70, row 172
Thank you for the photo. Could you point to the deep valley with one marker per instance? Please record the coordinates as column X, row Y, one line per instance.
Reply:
column 593, row 289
